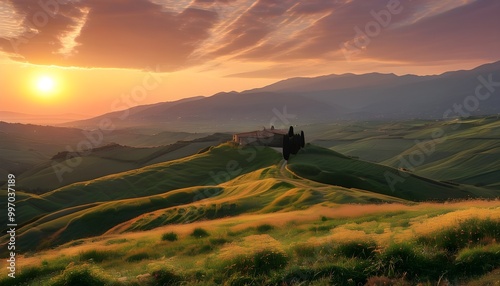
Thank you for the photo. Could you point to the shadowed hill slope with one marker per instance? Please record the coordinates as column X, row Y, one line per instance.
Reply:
column 110, row 159
column 330, row 167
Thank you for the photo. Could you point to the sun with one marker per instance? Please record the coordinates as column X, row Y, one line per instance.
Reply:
column 46, row 85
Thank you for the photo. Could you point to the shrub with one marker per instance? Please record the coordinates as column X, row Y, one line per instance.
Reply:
column 262, row 262
column 467, row 233
column 323, row 228
column 81, row 276
column 401, row 259
column 169, row 236
column 334, row 275
column 137, row 257
column 238, row 280
column 306, row 250
column 30, row 273
column 199, row 233
column 97, row 255
column 320, row 228
column 267, row 260
column 477, row 261
column 263, row 228
column 340, row 275
column 196, row 249
column 412, row 261
column 357, row 249
column 295, row 276
column 204, row 249
column 218, row 241
column 241, row 264
column 165, row 277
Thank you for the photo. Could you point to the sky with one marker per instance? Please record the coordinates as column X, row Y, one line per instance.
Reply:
column 91, row 57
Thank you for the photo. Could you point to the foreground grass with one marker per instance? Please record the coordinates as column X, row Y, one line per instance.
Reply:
column 401, row 245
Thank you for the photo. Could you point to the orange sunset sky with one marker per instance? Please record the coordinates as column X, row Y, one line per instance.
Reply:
column 89, row 56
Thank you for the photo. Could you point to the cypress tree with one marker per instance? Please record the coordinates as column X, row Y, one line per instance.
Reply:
column 295, row 146
column 286, row 147
column 290, row 131
column 302, row 139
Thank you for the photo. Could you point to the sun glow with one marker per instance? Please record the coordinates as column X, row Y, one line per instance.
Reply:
column 45, row 86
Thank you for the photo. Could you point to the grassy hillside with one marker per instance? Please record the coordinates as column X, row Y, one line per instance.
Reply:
column 330, row 167
column 27, row 146
column 105, row 160
column 393, row 244
column 323, row 217
column 466, row 151
column 469, row 152
column 224, row 181
column 210, row 168
column 265, row 190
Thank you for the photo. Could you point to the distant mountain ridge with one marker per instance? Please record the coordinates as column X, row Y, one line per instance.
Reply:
column 319, row 99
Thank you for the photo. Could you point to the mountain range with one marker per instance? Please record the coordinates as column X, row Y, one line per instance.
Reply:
column 301, row 100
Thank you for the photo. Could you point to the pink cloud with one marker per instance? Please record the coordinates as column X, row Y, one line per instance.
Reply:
column 139, row 33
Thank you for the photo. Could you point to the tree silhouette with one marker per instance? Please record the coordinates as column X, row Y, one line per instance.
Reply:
column 292, row 143
column 286, row 147
column 295, row 146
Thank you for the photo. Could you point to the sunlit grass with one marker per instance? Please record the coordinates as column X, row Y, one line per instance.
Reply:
column 389, row 240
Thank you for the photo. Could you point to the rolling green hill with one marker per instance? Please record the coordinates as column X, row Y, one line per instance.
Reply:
column 29, row 148
column 211, row 168
column 265, row 190
column 467, row 151
column 330, row 167
column 109, row 159
column 223, row 181
column 248, row 202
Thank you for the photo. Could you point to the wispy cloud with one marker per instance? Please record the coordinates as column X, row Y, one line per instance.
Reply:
column 177, row 34
column 11, row 24
column 68, row 40
column 429, row 8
